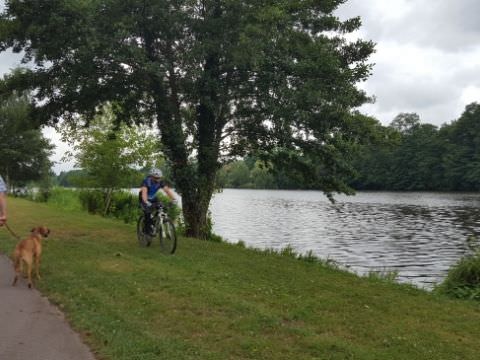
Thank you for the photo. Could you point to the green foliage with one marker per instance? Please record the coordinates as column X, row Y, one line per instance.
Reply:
column 62, row 198
column 289, row 252
column 405, row 123
column 409, row 155
column 383, row 275
column 219, row 79
column 24, row 150
column 461, row 162
column 123, row 204
column 463, row 279
column 110, row 156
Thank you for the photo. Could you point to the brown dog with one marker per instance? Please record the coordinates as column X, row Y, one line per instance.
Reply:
column 27, row 251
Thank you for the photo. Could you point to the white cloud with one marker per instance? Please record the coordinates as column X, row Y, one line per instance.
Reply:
column 60, row 149
column 427, row 56
column 8, row 61
column 470, row 94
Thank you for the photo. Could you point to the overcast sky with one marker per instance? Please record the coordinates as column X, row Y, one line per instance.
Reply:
column 427, row 58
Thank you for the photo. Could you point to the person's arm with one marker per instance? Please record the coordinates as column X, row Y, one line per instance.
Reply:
column 3, row 208
column 144, row 191
column 169, row 193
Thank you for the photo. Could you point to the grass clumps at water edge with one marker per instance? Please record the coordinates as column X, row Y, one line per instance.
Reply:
column 463, row 279
column 220, row 301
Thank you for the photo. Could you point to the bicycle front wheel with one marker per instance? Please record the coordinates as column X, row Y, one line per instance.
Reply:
column 144, row 240
column 168, row 237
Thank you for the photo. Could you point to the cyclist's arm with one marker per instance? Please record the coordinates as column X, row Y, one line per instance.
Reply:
column 169, row 192
column 144, row 191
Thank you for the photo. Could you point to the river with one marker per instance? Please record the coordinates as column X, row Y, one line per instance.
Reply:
column 418, row 235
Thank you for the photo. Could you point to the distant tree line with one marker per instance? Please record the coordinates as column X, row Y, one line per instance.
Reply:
column 406, row 155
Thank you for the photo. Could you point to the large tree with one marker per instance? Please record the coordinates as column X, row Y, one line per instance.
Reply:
column 219, row 78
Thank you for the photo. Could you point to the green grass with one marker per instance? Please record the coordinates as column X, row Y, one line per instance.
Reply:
column 219, row 301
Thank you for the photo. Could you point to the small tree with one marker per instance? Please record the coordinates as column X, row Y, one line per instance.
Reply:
column 111, row 156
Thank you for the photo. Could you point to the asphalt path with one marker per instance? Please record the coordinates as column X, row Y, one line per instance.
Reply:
column 30, row 327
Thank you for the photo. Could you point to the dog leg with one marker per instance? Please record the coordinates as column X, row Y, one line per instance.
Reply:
column 22, row 270
column 37, row 266
column 29, row 269
column 17, row 268
column 15, row 279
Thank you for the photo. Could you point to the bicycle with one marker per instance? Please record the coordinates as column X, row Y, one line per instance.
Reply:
column 162, row 226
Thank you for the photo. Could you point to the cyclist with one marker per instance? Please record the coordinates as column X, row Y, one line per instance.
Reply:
column 147, row 196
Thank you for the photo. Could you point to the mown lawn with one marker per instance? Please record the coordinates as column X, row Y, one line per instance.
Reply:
column 221, row 301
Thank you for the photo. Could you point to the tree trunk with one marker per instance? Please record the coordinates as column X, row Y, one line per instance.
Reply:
column 108, row 201
column 194, row 181
column 195, row 213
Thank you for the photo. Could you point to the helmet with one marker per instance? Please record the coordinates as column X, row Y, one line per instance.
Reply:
column 155, row 172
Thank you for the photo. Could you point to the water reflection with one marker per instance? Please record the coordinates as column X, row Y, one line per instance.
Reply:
column 420, row 235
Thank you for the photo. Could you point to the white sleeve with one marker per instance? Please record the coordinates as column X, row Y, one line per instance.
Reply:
column 3, row 187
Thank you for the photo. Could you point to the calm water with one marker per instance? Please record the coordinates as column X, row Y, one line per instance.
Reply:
column 419, row 235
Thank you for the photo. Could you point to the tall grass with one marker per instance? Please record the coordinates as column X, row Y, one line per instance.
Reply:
column 63, row 198
column 463, row 279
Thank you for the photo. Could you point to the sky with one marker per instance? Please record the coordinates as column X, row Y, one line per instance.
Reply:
column 427, row 59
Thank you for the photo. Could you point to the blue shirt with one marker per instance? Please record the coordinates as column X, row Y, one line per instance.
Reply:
column 3, row 187
column 152, row 186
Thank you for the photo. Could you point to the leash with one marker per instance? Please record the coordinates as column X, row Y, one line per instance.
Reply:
column 11, row 231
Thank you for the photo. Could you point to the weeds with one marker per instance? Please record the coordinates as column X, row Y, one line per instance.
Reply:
column 463, row 279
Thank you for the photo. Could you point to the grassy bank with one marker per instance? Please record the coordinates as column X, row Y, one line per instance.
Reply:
column 220, row 301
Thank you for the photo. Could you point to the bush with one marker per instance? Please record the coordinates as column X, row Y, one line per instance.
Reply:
column 123, row 205
column 463, row 279
column 92, row 200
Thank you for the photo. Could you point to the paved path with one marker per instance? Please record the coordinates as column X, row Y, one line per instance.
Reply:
column 30, row 327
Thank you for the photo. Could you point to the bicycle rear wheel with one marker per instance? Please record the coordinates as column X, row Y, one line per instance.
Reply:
column 144, row 240
column 168, row 237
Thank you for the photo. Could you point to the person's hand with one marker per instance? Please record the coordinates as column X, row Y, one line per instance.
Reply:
column 148, row 203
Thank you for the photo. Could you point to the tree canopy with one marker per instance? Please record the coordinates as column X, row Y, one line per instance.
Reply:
column 218, row 78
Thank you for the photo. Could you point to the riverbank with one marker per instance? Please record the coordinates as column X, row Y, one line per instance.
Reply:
column 221, row 301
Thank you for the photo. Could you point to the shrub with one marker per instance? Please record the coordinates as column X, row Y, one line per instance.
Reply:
column 92, row 200
column 463, row 279
column 123, row 205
